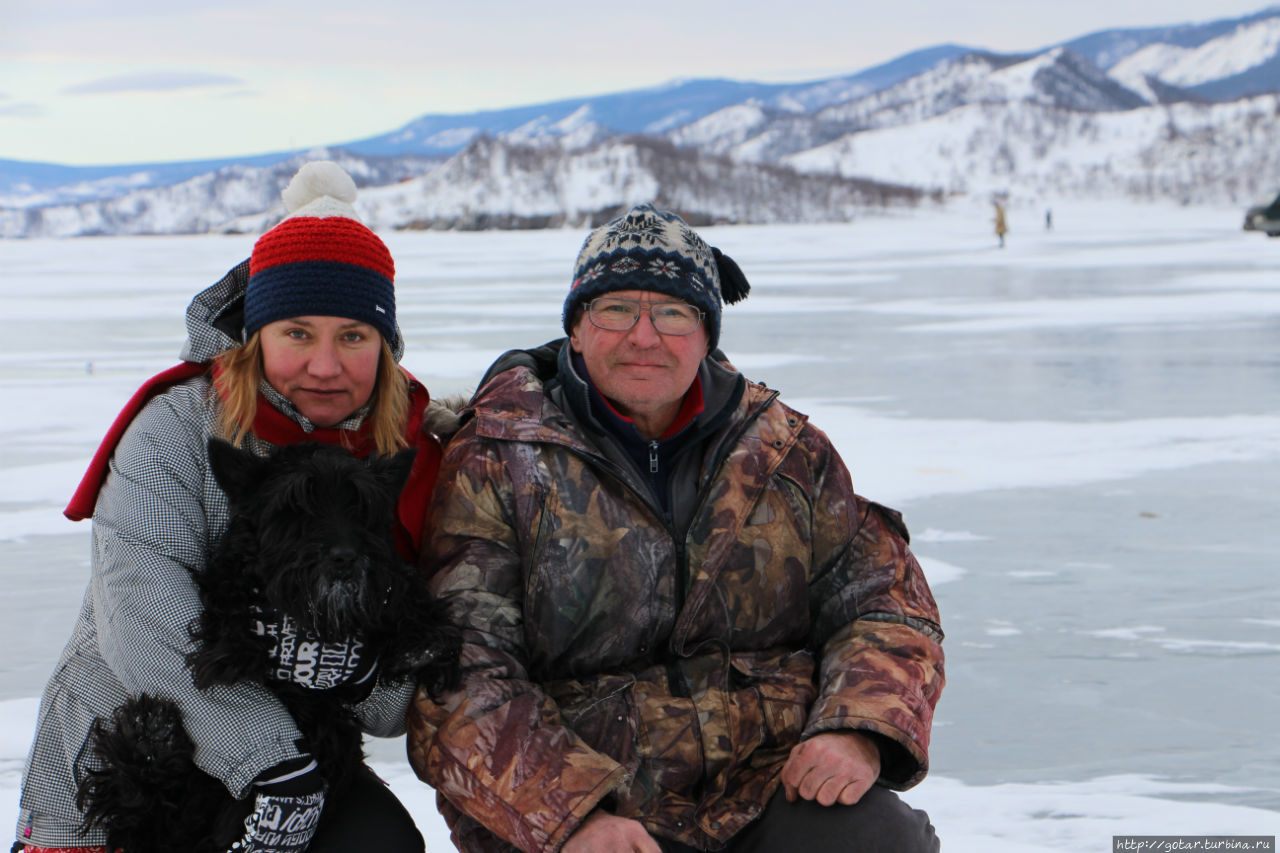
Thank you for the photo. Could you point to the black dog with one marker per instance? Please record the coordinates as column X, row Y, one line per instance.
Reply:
column 310, row 537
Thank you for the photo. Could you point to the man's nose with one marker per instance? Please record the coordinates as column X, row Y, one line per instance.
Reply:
column 643, row 332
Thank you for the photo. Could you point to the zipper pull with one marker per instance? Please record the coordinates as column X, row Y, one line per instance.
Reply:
column 653, row 456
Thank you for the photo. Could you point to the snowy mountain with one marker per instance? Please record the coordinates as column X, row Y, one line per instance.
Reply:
column 1234, row 56
column 1057, row 78
column 1186, row 113
column 490, row 184
column 1187, row 152
column 646, row 111
column 69, row 187
column 1108, row 47
column 1048, row 125
column 214, row 201
column 495, row 184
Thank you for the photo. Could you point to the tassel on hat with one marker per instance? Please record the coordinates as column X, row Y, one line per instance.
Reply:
column 321, row 260
column 734, row 286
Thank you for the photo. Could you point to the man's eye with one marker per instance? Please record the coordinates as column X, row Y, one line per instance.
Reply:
column 618, row 308
column 673, row 311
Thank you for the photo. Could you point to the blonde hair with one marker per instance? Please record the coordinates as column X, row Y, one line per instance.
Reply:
column 240, row 375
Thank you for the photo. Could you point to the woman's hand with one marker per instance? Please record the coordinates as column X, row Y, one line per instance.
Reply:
column 303, row 658
column 286, row 809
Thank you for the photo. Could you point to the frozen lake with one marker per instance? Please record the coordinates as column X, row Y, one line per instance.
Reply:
column 1082, row 429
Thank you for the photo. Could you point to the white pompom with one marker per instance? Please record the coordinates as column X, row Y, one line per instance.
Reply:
column 316, row 180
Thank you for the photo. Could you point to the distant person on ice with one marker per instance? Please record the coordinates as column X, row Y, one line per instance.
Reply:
column 683, row 629
column 298, row 343
column 1001, row 227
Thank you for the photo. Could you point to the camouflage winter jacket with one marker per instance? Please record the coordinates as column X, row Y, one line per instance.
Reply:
column 610, row 661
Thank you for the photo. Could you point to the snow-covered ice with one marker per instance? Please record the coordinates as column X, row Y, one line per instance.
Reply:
column 1082, row 429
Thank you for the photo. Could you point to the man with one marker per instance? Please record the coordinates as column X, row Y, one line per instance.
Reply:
column 683, row 630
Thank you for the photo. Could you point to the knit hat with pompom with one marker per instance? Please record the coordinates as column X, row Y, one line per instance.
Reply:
column 321, row 260
column 655, row 250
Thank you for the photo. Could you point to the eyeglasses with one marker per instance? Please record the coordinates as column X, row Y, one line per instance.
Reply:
column 619, row 315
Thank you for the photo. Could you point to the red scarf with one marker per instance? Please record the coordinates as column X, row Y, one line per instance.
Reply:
column 275, row 427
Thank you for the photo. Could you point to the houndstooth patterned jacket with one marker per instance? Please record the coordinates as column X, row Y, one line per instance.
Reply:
column 156, row 517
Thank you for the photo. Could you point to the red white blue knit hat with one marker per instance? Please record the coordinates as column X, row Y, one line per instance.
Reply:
column 321, row 260
column 651, row 249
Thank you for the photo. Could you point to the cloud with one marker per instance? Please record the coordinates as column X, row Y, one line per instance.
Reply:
column 152, row 81
column 20, row 109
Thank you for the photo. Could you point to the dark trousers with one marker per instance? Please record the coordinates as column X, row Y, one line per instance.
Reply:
column 878, row 823
column 367, row 817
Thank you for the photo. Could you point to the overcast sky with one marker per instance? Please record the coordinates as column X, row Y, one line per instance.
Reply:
column 132, row 81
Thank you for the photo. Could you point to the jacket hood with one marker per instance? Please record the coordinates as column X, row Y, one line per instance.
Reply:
column 543, row 361
column 215, row 318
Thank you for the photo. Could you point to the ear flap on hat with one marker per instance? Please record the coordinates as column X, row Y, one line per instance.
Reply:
column 734, row 286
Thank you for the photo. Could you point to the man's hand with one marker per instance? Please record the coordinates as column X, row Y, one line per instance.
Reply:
column 832, row 767
column 608, row 833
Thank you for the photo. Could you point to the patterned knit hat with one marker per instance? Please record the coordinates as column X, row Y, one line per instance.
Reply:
column 321, row 260
column 651, row 249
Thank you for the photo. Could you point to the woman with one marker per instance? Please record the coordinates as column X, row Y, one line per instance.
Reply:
column 299, row 343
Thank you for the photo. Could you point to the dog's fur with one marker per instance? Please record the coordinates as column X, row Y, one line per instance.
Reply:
column 310, row 536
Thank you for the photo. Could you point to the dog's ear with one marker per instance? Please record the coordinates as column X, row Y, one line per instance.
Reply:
column 237, row 471
column 394, row 470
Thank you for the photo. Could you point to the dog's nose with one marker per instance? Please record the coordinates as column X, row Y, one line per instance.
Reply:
column 342, row 555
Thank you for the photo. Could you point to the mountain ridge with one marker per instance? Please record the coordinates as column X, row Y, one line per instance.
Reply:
column 961, row 122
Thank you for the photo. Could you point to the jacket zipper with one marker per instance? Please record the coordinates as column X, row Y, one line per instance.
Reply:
column 712, row 470
column 605, row 464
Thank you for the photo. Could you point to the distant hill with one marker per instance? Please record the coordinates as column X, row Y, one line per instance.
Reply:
column 1187, row 112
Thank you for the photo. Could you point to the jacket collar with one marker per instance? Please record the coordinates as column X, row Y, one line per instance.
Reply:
column 270, row 424
column 523, row 398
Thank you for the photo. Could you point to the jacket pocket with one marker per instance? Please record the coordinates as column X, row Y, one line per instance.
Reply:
column 603, row 714
column 670, row 738
column 783, row 683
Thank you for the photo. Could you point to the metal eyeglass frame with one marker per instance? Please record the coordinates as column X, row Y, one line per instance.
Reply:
column 636, row 317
